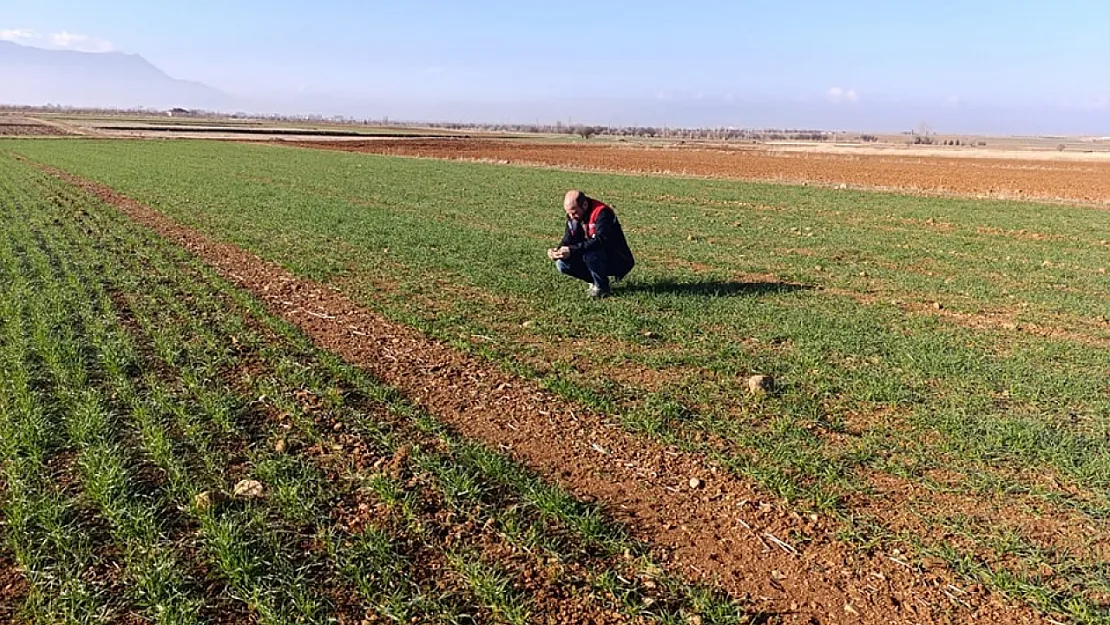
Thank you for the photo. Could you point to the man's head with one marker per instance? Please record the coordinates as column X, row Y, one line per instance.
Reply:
column 575, row 203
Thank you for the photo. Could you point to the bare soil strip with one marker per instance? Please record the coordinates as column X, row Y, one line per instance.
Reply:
column 704, row 523
column 11, row 126
column 1001, row 178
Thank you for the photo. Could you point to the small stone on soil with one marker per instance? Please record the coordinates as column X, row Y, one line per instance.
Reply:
column 696, row 483
column 248, row 489
column 760, row 384
column 280, row 446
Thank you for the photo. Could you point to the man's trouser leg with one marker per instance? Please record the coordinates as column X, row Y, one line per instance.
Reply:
column 575, row 268
column 597, row 262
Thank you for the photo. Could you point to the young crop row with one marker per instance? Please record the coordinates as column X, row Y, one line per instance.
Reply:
column 139, row 391
column 998, row 434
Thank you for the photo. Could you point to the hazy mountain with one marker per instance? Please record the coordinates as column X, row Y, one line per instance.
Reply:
column 33, row 76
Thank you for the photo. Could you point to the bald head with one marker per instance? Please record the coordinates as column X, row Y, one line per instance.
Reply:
column 574, row 203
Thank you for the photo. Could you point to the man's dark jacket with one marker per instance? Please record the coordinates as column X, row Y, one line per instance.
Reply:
column 608, row 239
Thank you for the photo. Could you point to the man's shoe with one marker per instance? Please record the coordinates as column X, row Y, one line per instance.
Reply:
column 597, row 292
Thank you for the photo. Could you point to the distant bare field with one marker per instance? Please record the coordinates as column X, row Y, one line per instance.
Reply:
column 1003, row 149
column 918, row 170
column 14, row 126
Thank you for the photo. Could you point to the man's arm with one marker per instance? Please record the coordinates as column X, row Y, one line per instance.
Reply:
column 567, row 235
column 562, row 251
column 603, row 228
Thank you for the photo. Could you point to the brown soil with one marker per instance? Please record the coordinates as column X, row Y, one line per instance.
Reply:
column 13, row 590
column 1009, row 178
column 725, row 530
column 23, row 127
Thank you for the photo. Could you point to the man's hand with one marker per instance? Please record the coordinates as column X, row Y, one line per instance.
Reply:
column 563, row 253
column 551, row 253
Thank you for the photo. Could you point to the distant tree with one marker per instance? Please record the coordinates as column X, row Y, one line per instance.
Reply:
column 587, row 131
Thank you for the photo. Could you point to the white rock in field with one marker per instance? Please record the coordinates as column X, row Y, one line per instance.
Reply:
column 761, row 384
column 248, row 489
column 696, row 483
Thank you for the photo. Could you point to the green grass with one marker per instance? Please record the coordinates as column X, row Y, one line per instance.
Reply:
column 135, row 379
column 810, row 285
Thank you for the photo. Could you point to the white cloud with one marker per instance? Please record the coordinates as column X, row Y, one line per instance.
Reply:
column 81, row 43
column 18, row 34
column 837, row 95
column 63, row 40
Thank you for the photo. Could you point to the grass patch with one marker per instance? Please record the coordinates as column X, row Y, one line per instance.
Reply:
column 832, row 292
column 140, row 389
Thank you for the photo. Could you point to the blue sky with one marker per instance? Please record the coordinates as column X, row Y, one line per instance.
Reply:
column 968, row 65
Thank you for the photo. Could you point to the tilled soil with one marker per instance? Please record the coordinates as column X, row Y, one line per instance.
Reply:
column 23, row 127
column 1008, row 178
column 718, row 529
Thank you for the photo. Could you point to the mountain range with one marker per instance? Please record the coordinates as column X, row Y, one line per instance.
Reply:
column 35, row 76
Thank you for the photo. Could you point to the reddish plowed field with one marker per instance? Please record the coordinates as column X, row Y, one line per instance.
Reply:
column 22, row 127
column 1009, row 178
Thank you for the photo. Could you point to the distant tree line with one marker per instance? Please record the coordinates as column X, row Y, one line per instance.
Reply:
column 584, row 131
column 587, row 131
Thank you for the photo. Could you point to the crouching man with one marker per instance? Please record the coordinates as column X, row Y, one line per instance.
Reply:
column 593, row 248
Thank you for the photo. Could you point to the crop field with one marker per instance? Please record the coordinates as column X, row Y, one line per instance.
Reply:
column 140, row 390
column 123, row 125
column 264, row 384
column 1006, row 175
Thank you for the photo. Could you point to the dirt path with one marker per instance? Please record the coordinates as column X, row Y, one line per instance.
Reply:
column 722, row 529
column 1001, row 178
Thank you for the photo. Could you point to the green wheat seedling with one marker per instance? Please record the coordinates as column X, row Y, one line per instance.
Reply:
column 832, row 292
